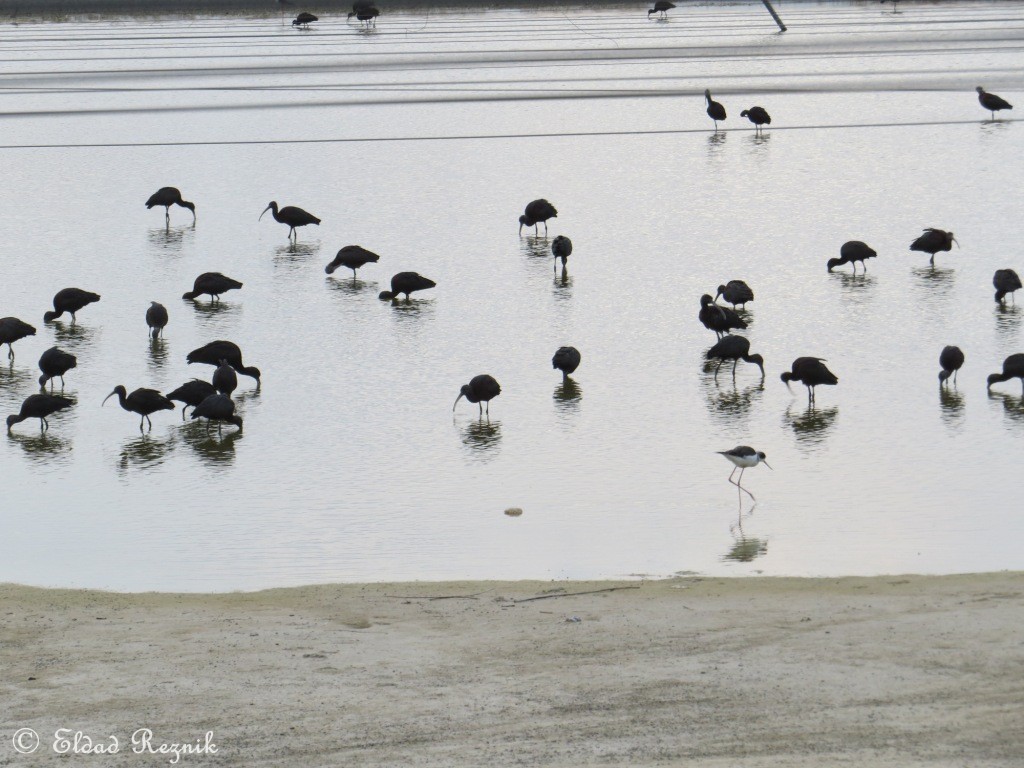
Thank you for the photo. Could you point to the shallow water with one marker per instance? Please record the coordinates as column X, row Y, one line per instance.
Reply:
column 351, row 465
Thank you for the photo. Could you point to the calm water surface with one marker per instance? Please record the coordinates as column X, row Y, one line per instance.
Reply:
column 351, row 465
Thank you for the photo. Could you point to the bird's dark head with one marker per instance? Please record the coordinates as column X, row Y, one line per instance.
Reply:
column 43, row 379
column 721, row 290
column 119, row 390
column 786, row 378
column 11, row 421
column 48, row 316
column 943, row 375
column 387, row 296
column 466, row 392
column 236, row 420
column 271, row 206
column 758, row 361
column 650, row 12
column 252, row 371
column 706, row 300
column 833, row 263
column 329, row 269
column 979, row 89
column 707, row 94
column 524, row 222
column 295, row 22
column 763, row 459
column 744, row 113
column 994, row 378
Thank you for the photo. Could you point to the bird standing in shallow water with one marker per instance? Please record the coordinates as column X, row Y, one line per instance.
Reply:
column 304, row 20
column 365, row 13
column 567, row 360
column 292, row 216
column 933, row 241
column 561, row 247
column 661, row 7
column 851, row 252
column 991, row 102
column 192, row 393
column 717, row 318
column 69, row 300
column 735, row 292
column 212, row 283
column 39, row 407
column 1006, row 281
column 168, row 196
column 742, row 457
column 536, row 212
column 216, row 351
column 733, row 348
column 758, row 116
column 1013, row 368
column 141, row 401
column 811, row 372
column 156, row 318
column 950, row 360
column 353, row 257
column 715, row 110
column 219, row 408
column 54, row 363
column 11, row 330
column 406, row 282
column 481, row 389
column 224, row 378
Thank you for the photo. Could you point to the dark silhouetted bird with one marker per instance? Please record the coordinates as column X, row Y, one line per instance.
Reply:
column 352, row 257
column 141, row 401
column 292, row 216
column 934, row 240
column 224, row 378
column 950, row 360
column 54, row 363
column 11, row 330
column 406, row 282
column 168, row 196
column 758, row 116
column 567, row 360
column 661, row 7
column 366, row 14
column 991, row 102
column 212, row 283
column 39, row 407
column 304, row 20
column 733, row 348
column 1013, row 368
column 851, row 252
column 715, row 110
column 536, row 212
column 156, row 319
column 742, row 458
column 219, row 408
column 736, row 292
column 811, row 372
column 1006, row 281
column 561, row 247
column 216, row 351
column 192, row 393
column 481, row 389
column 69, row 300
column 717, row 318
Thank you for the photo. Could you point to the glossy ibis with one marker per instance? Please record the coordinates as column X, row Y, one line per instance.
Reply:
column 224, row 378
column 304, row 20
column 536, row 212
column 11, row 330
column 733, row 348
column 758, row 116
column 141, row 401
column 292, row 216
column 735, row 292
column 54, row 363
column 715, row 110
column 481, row 389
column 39, row 407
column 743, row 457
column 406, row 282
column 1013, row 368
column 156, row 318
column 567, row 360
column 851, row 252
column 718, row 318
column 1006, row 281
column 934, row 240
column 352, row 257
column 192, row 393
column 216, row 351
column 661, row 7
column 219, row 408
column 212, row 283
column 991, row 102
column 561, row 247
column 168, row 196
column 69, row 300
column 811, row 372
column 366, row 14
column 950, row 360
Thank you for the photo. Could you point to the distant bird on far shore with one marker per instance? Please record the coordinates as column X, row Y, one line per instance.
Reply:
column 951, row 359
column 561, row 247
column 168, row 196
column 1006, row 281
column 661, row 7
column 156, row 319
column 715, row 110
column 304, row 20
column 743, row 457
column 352, row 257
column 406, row 282
column 39, row 407
column 1013, row 368
column 933, row 241
column 991, row 102
column 292, row 216
column 567, row 360
column 851, row 252
column 811, row 372
column 212, row 283
column 481, row 389
column 70, row 300
column 11, row 330
column 758, row 116
column 537, row 211
column 736, row 292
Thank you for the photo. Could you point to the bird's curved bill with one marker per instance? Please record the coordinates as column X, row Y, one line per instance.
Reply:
column 457, row 400
column 107, row 398
column 957, row 242
column 264, row 211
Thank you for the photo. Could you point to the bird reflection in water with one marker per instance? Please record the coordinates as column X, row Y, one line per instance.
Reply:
column 536, row 247
column 951, row 404
column 744, row 549
column 295, row 254
column 563, row 285
column 171, row 240
column 144, row 452
column 158, row 352
column 482, row 437
column 567, row 396
column 1008, row 320
column 812, row 425
column 412, row 312
column 1013, row 405
column 42, row 447
column 729, row 404
column 214, row 449
column 15, row 379
column 935, row 281
column 854, row 286
column 73, row 335
column 716, row 143
column 352, row 286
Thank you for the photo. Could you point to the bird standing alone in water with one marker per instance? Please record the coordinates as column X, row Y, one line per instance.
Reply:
column 758, row 116
column 39, row 407
column 481, row 389
column 951, row 359
column 156, row 318
column 661, row 7
column 851, row 252
column 991, row 102
column 567, row 360
column 292, row 216
column 1006, row 281
column 933, row 241
column 168, row 196
column 743, row 457
column 811, row 372
column 1013, row 368
column 537, row 211
column 715, row 110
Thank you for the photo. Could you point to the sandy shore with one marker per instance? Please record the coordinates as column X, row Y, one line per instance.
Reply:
column 888, row 671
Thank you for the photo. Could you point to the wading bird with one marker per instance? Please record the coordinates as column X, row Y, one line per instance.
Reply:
column 715, row 110
column 366, row 14
column 212, row 283
column 561, row 247
column 733, row 348
column 481, row 389
column 352, row 257
column 537, row 211
column 991, row 102
column 69, row 300
column 54, row 363
column 39, row 407
column 224, row 378
column 567, row 360
column 661, row 7
column 304, row 20
column 406, row 282
column 192, row 393
column 168, row 196
column 851, row 252
column 934, row 240
column 811, row 372
column 292, row 216
column 11, row 330
column 951, row 359
column 1013, row 368
column 736, row 292
column 758, row 116
column 156, row 319
column 718, row 318
column 216, row 351
column 141, row 401
column 742, row 457
column 1006, row 281
column 219, row 408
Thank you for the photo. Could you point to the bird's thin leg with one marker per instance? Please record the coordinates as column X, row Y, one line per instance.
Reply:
column 141, row 422
column 732, row 473
column 43, row 424
column 183, row 411
column 10, row 352
column 734, row 363
column 716, row 369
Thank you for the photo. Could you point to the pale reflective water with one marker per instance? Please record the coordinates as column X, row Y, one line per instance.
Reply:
column 351, row 465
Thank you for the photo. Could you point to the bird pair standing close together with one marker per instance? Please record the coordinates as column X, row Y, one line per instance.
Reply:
column 757, row 115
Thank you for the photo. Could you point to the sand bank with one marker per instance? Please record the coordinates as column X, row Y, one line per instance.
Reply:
column 888, row 671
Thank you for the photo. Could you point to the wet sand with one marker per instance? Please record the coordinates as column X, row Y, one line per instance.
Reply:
column 884, row 671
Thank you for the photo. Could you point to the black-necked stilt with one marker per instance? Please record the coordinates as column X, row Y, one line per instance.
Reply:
column 934, row 240
column 851, row 252
column 991, row 102
column 742, row 457
column 950, row 359
column 809, row 371
column 1013, row 368
column 1006, row 281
